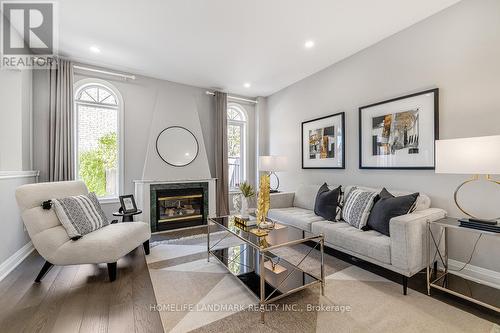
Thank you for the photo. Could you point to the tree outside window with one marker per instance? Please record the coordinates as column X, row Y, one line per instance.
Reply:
column 97, row 143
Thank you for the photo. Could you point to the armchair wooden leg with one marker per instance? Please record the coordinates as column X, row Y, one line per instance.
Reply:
column 146, row 246
column 405, row 285
column 46, row 267
column 112, row 271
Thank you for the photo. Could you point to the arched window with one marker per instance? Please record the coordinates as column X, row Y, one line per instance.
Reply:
column 236, row 142
column 98, row 109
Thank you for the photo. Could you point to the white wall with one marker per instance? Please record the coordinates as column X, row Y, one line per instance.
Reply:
column 175, row 106
column 457, row 50
column 13, row 236
column 146, row 101
column 15, row 156
column 15, row 111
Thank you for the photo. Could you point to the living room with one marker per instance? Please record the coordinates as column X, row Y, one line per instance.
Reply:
column 191, row 166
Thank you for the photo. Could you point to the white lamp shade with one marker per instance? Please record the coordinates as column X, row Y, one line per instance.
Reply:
column 477, row 156
column 272, row 163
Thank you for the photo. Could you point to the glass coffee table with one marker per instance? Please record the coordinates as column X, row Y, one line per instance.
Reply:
column 252, row 258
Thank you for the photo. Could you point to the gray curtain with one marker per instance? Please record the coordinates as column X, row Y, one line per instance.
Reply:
column 61, row 122
column 221, row 165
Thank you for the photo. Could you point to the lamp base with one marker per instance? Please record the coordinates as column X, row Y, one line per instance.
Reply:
column 455, row 197
column 275, row 190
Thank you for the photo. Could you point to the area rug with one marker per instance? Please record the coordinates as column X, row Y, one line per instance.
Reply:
column 194, row 295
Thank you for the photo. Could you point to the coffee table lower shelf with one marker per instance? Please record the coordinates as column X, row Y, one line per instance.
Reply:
column 245, row 262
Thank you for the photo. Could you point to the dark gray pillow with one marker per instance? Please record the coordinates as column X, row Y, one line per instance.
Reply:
column 387, row 207
column 327, row 202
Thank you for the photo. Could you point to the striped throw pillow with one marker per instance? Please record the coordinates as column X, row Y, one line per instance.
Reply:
column 357, row 206
column 80, row 214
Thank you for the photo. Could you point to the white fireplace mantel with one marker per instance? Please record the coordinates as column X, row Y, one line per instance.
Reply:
column 143, row 195
column 174, row 181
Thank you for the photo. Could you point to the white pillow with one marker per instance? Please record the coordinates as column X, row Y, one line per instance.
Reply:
column 80, row 214
column 357, row 206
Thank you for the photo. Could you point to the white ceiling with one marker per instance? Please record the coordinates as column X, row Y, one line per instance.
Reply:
column 225, row 43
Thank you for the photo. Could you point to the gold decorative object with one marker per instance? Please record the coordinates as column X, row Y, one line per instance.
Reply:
column 276, row 268
column 259, row 232
column 263, row 202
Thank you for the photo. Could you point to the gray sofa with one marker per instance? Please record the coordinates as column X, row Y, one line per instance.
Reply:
column 404, row 252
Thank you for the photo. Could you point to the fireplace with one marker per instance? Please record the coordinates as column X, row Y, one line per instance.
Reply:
column 178, row 205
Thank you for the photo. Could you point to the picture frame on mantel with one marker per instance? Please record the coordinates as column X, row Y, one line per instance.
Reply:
column 400, row 133
column 323, row 142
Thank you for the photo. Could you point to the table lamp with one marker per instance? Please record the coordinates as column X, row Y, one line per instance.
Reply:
column 273, row 164
column 469, row 156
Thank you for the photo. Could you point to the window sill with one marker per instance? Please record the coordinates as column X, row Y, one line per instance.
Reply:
column 110, row 200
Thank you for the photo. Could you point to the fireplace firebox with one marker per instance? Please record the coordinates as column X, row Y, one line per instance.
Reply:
column 179, row 205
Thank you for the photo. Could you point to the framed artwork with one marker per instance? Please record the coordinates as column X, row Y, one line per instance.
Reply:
column 399, row 133
column 127, row 203
column 323, row 142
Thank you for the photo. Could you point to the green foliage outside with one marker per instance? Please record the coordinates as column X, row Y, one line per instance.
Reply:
column 95, row 162
column 233, row 140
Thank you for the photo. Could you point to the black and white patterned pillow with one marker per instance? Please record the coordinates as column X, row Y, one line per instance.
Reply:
column 80, row 214
column 357, row 206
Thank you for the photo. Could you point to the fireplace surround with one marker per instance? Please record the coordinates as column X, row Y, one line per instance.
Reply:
column 174, row 204
column 178, row 205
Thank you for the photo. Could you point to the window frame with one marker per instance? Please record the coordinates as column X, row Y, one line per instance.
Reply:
column 78, row 87
column 243, row 124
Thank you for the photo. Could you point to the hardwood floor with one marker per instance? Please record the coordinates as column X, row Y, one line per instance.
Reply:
column 79, row 298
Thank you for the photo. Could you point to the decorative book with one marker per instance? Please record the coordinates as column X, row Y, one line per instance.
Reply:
column 245, row 221
column 480, row 226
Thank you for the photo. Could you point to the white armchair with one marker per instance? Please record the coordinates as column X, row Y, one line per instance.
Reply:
column 105, row 245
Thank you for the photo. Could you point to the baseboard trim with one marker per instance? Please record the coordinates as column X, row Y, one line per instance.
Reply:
column 475, row 273
column 14, row 260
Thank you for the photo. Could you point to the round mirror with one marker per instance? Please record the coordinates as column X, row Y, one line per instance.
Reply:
column 177, row 146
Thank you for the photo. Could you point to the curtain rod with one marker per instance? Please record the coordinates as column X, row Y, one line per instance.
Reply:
column 234, row 98
column 126, row 76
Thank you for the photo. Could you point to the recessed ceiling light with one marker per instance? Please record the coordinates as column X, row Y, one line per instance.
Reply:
column 247, row 85
column 95, row 49
column 308, row 44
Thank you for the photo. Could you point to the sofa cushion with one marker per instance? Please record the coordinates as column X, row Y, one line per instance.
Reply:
column 370, row 243
column 32, row 195
column 294, row 216
column 327, row 202
column 80, row 214
column 387, row 207
column 104, row 245
column 305, row 195
column 423, row 201
column 357, row 207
